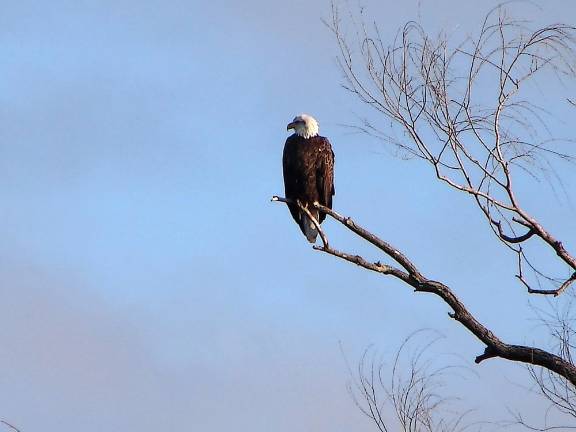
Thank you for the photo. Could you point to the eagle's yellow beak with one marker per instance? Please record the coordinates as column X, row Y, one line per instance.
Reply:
column 291, row 126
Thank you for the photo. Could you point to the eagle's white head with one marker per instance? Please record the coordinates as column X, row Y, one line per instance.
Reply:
column 304, row 125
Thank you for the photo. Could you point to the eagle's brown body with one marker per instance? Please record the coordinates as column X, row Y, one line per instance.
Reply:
column 308, row 177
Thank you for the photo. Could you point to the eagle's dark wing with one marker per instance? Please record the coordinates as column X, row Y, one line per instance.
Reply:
column 308, row 165
column 325, row 175
column 292, row 185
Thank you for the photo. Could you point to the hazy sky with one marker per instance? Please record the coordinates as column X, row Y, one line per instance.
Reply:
column 147, row 282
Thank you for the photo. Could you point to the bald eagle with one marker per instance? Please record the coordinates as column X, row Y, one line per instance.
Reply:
column 308, row 163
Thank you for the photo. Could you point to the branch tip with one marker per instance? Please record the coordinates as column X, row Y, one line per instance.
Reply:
column 488, row 354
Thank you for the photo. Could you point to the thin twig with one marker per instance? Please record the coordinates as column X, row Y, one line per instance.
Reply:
column 305, row 210
column 4, row 422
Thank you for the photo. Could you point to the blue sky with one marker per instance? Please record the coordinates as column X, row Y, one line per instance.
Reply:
column 147, row 282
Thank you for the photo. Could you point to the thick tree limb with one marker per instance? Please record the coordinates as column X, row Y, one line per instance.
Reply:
column 379, row 243
column 414, row 278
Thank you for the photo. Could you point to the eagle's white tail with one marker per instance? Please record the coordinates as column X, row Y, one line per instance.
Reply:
column 308, row 227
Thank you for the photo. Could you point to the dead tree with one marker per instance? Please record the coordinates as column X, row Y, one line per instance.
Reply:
column 462, row 111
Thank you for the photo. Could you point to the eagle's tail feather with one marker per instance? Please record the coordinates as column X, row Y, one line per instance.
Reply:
column 308, row 227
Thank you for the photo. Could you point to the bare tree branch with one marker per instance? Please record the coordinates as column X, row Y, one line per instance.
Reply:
column 412, row 276
column 475, row 129
column 4, row 422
